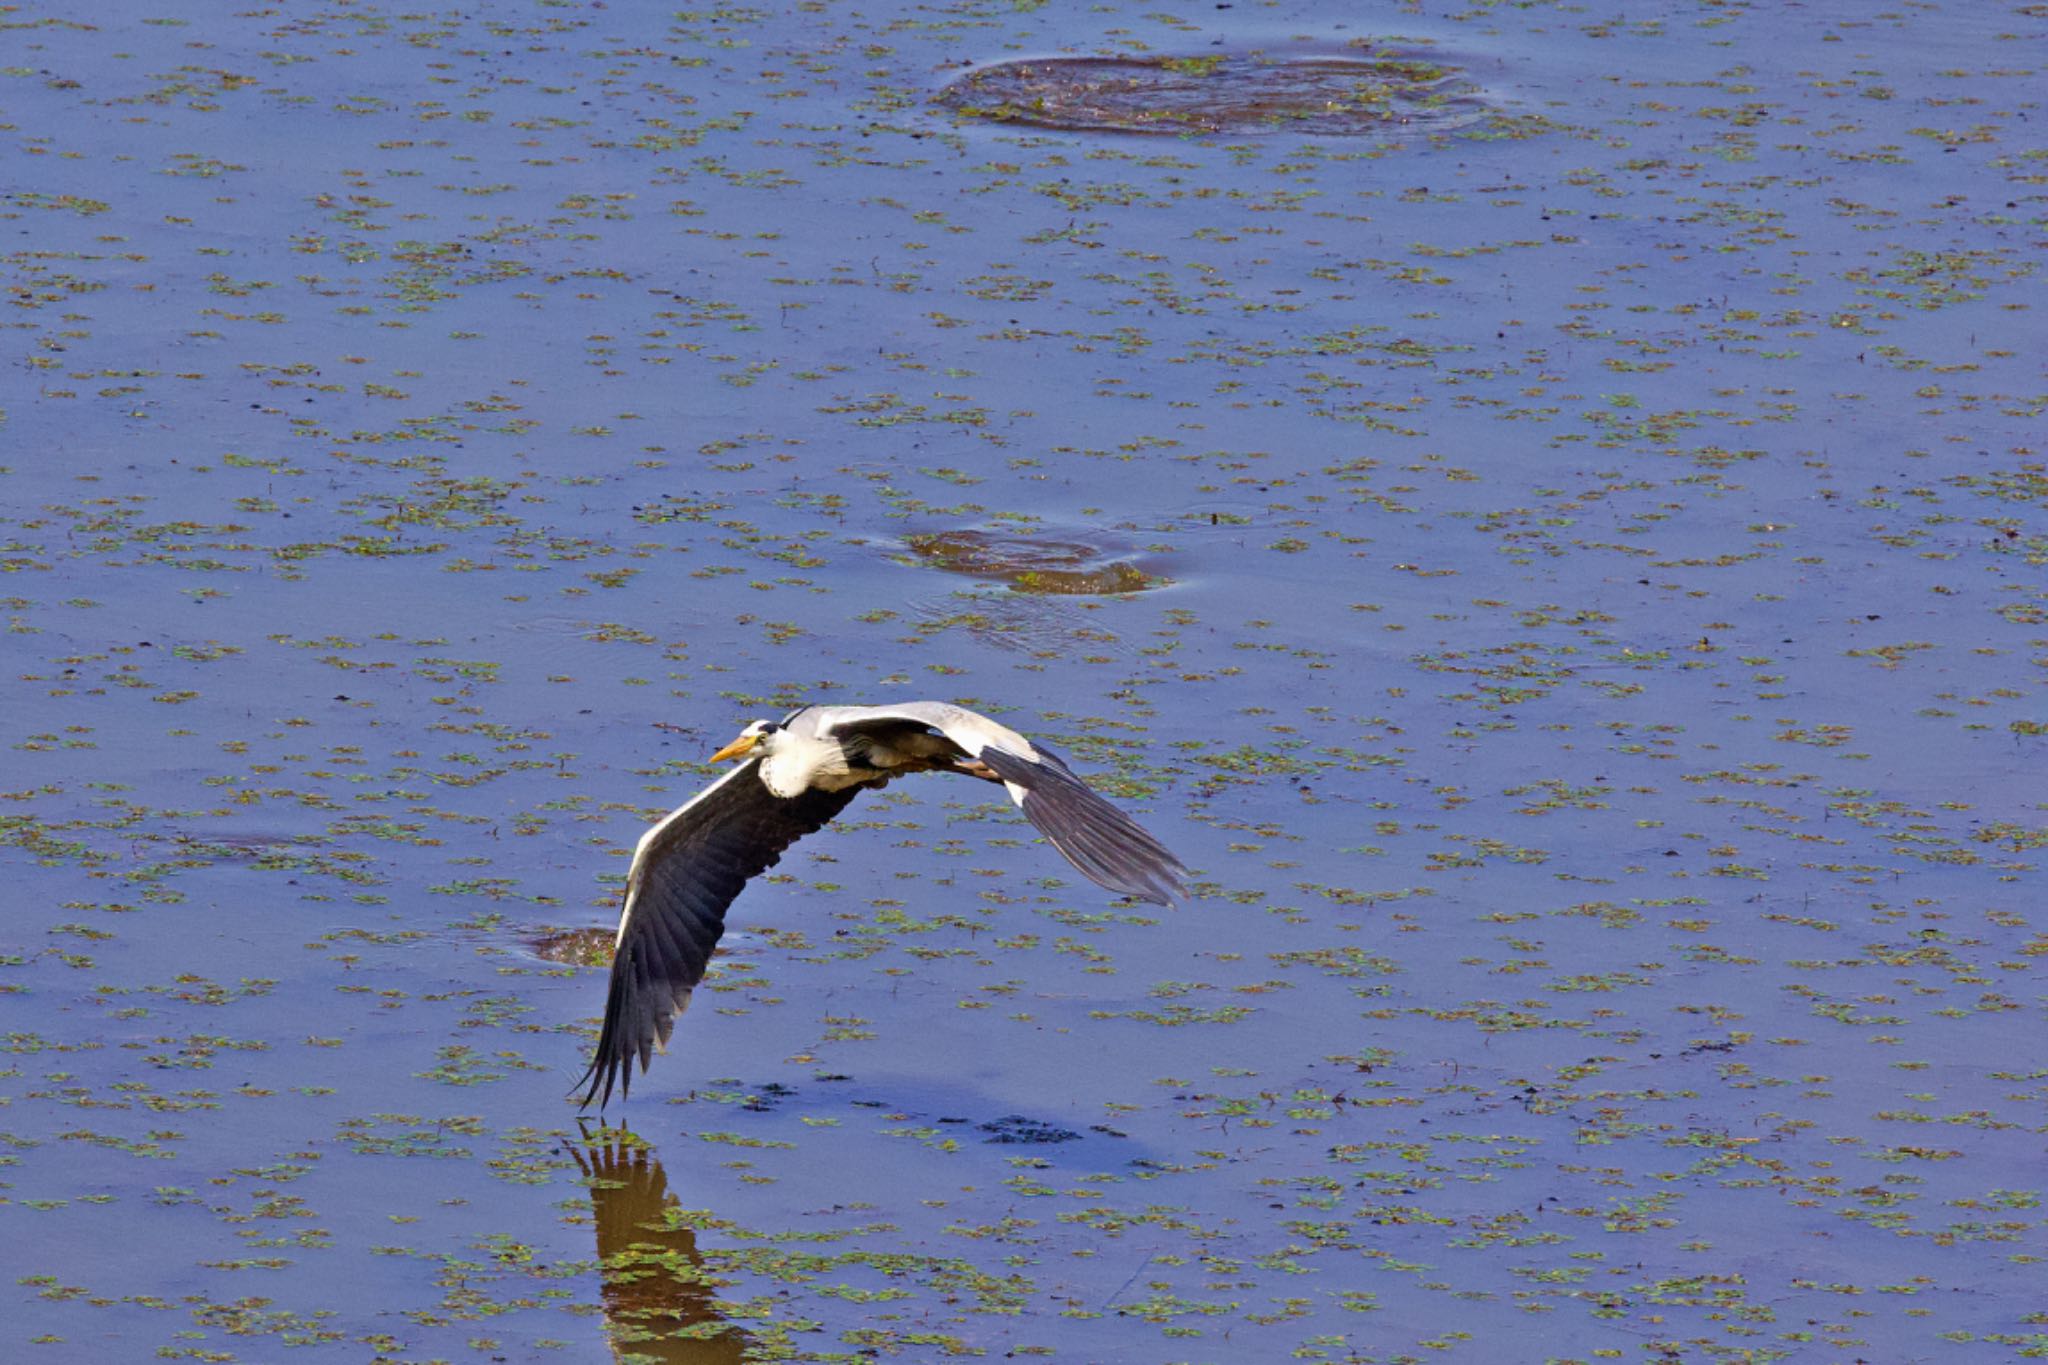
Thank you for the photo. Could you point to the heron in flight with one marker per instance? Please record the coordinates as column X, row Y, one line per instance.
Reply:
column 798, row 773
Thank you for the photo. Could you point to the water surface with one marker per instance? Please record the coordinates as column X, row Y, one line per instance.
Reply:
column 1570, row 584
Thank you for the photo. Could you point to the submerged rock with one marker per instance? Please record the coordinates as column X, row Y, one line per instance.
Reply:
column 1330, row 96
column 1071, row 567
column 575, row 947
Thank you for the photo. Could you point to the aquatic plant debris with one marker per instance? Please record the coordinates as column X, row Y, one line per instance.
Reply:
column 1599, row 689
column 1048, row 566
column 1333, row 95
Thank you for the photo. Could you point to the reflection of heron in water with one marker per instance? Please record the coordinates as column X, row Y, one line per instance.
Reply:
column 660, row 1301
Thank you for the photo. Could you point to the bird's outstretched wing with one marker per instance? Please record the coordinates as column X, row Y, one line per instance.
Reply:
column 1104, row 844
column 686, row 871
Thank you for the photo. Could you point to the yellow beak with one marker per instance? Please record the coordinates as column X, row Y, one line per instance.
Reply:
column 733, row 750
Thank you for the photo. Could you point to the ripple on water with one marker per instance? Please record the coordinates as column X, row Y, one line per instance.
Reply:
column 1329, row 95
column 1021, row 623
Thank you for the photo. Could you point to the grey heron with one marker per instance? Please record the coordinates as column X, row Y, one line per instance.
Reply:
column 797, row 774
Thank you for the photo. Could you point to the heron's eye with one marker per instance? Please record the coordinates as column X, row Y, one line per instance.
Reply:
column 769, row 727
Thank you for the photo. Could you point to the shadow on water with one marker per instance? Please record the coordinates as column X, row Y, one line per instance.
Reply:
column 660, row 1301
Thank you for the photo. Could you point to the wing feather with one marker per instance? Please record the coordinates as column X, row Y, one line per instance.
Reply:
column 687, row 870
column 1104, row 844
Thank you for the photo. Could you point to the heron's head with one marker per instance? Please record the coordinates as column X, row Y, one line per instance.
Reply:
column 760, row 732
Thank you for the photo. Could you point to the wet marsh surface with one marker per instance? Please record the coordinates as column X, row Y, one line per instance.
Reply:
column 1571, row 585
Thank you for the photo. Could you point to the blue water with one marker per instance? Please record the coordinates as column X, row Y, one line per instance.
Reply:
column 1593, row 676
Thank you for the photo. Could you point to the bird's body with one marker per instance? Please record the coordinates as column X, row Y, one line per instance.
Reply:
column 797, row 774
column 831, row 747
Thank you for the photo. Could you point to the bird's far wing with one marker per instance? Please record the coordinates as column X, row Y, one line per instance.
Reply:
column 687, row 870
column 971, row 730
column 1107, row 846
